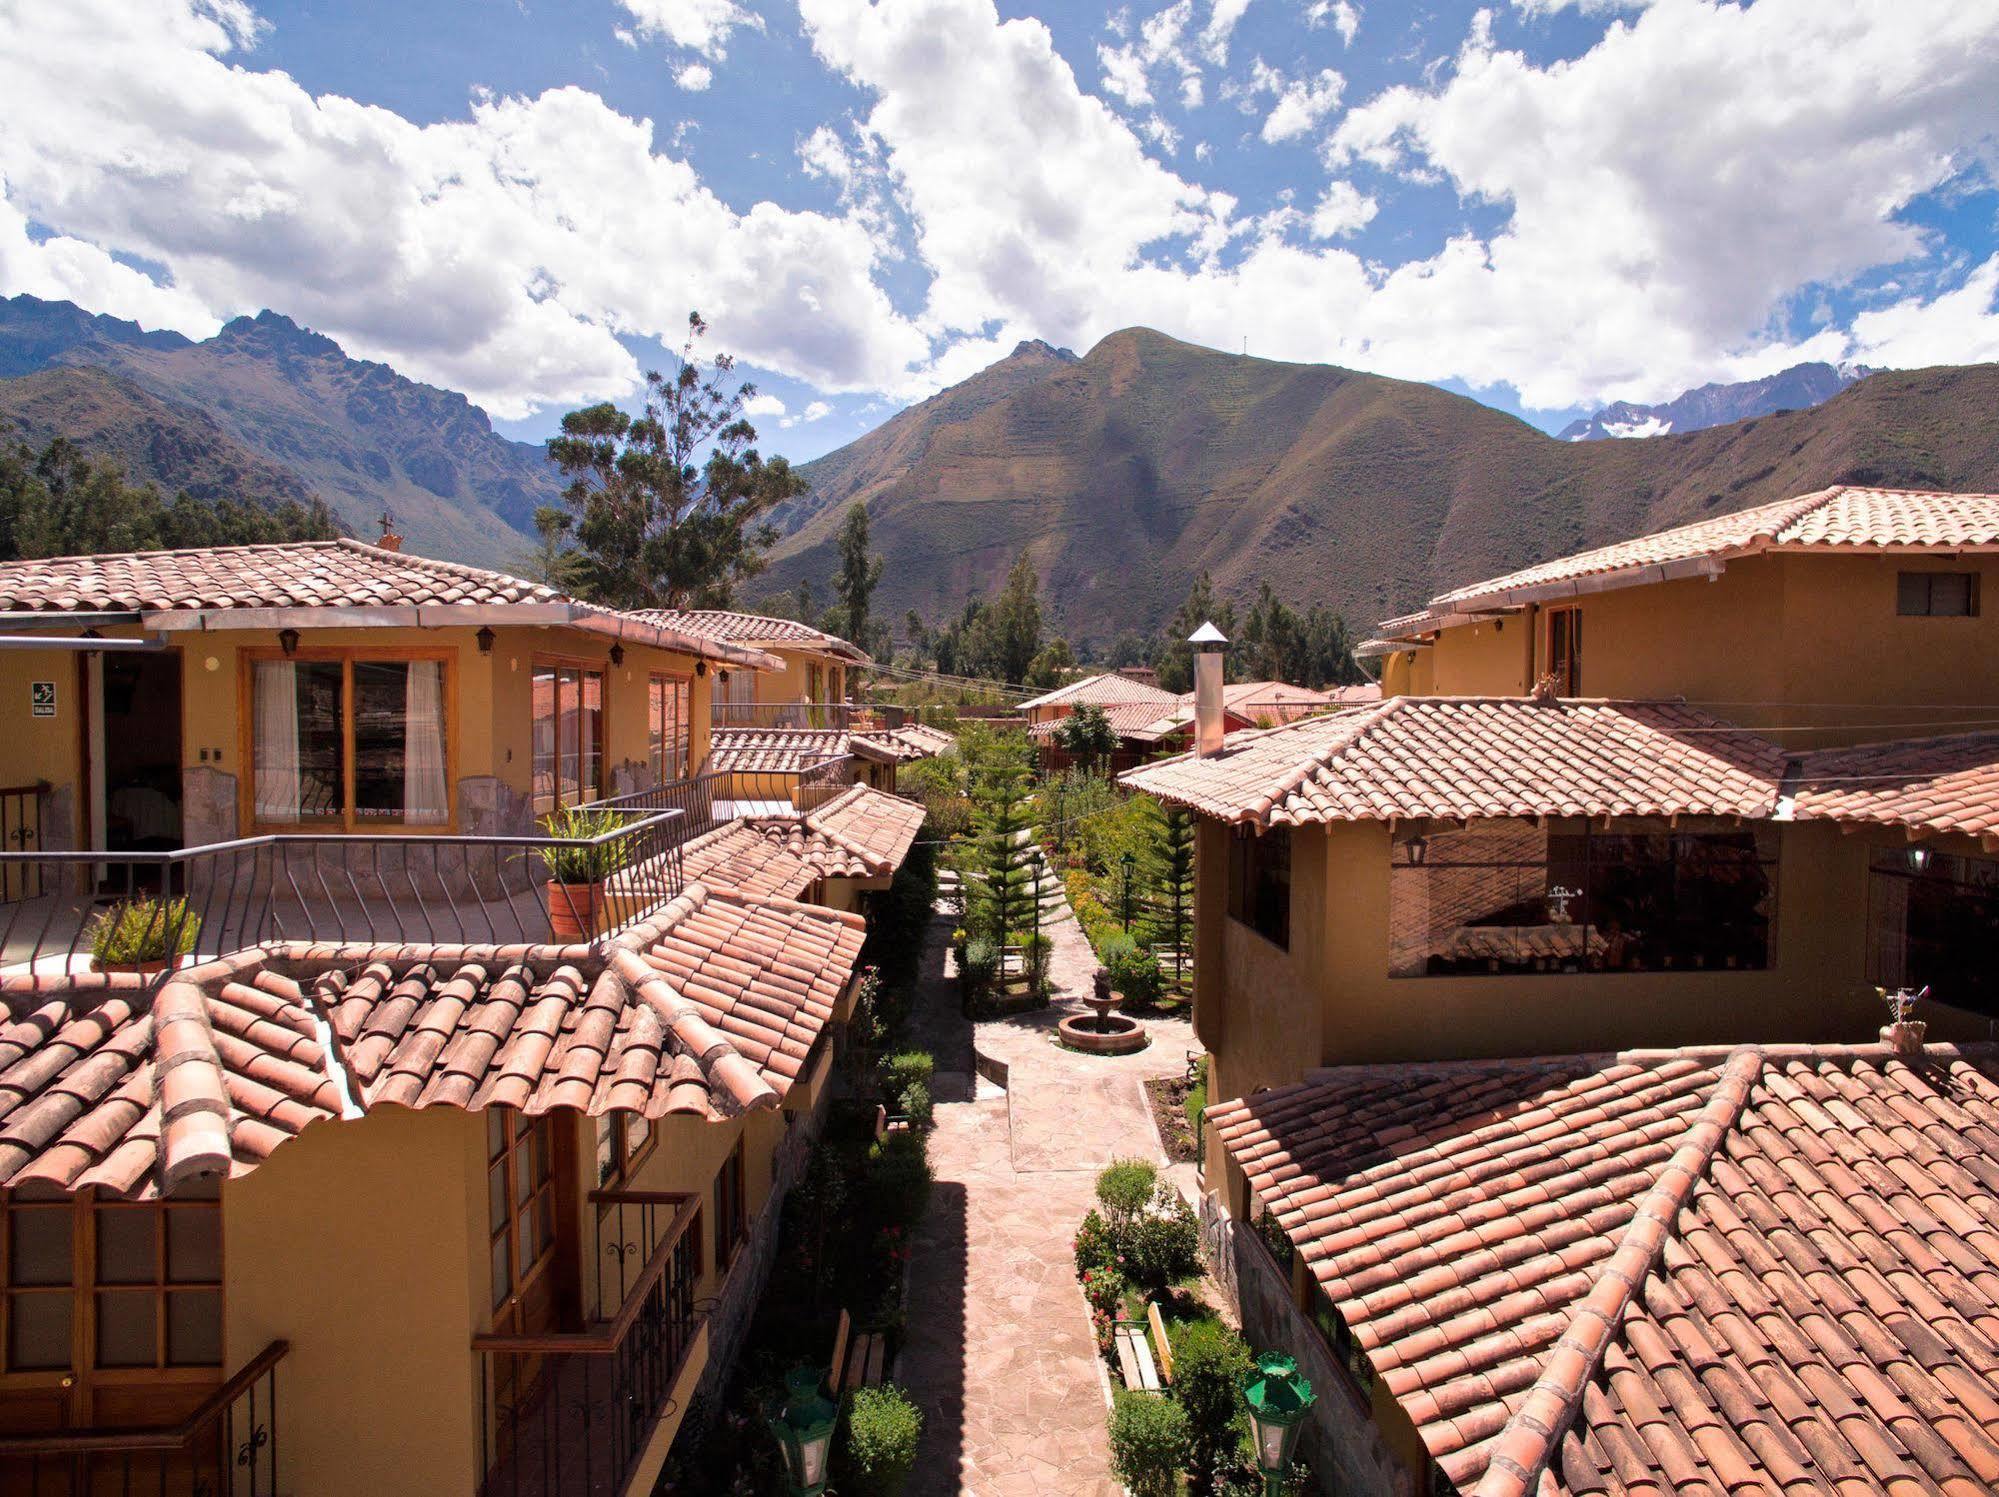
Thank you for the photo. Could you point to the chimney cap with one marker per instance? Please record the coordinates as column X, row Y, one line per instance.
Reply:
column 1208, row 637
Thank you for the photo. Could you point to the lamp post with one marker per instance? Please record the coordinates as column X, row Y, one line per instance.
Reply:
column 1126, row 863
column 803, row 1425
column 1279, row 1398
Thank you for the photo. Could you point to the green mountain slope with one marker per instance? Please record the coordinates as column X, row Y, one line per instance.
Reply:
column 1128, row 472
column 358, row 434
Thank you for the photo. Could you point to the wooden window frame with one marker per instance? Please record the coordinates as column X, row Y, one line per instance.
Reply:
column 1569, row 672
column 83, row 1377
column 581, row 664
column 1927, row 578
column 674, row 682
column 1243, row 863
column 731, row 1207
column 628, row 1162
column 507, row 1310
column 349, row 656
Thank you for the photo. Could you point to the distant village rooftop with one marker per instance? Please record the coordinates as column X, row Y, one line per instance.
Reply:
column 1845, row 519
column 1103, row 690
column 325, row 584
column 1770, row 1269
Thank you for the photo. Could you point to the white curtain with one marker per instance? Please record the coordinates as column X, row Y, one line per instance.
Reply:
column 425, row 797
column 276, row 745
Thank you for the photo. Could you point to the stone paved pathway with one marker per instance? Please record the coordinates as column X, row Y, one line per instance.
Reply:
column 998, row 1350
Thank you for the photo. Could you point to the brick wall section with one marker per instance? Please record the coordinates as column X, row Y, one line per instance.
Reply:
column 1346, row 1452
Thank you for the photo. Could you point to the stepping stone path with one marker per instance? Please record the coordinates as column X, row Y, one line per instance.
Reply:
column 998, row 1349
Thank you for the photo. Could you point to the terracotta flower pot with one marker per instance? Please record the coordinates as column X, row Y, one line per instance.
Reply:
column 150, row 968
column 572, row 911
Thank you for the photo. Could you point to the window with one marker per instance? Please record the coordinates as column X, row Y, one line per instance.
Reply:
column 731, row 1224
column 1502, row 897
column 1340, row 1340
column 1933, row 919
column 568, row 736
column 668, row 706
column 1565, row 650
column 1260, row 881
column 98, row 1285
column 623, row 1140
column 1937, row 595
column 520, row 1212
column 815, row 682
column 342, row 739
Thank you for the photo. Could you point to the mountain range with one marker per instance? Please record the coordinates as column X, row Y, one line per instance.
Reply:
column 1126, row 473
column 1798, row 388
column 270, row 411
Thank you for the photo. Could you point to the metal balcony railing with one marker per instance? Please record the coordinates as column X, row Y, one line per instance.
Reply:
column 207, row 901
column 853, row 716
column 228, row 1447
column 570, row 1412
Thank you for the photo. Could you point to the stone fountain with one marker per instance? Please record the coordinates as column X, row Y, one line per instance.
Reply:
column 1103, row 1030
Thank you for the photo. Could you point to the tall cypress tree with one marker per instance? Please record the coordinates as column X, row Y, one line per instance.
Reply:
column 1169, row 872
column 996, row 860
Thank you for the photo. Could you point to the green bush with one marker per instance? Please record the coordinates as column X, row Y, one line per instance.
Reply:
column 584, row 865
column 1210, row 1362
column 1197, row 1099
column 883, row 1427
column 1163, row 1245
column 981, row 965
column 1095, row 1247
column 1134, row 970
column 906, row 1068
column 1124, row 1189
column 897, row 1181
column 1036, row 952
column 143, row 930
column 1149, row 1442
column 916, row 1104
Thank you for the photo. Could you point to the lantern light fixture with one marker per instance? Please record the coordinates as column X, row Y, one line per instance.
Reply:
column 1279, row 1398
column 803, row 1425
column 288, row 641
column 485, row 638
column 1919, row 859
column 617, row 654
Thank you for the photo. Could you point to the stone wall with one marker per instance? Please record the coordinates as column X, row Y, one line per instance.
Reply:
column 1345, row 1449
column 489, row 807
column 207, row 806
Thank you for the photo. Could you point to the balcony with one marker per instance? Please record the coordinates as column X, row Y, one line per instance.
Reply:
column 228, row 1447
column 572, row 1412
column 818, row 716
column 227, row 896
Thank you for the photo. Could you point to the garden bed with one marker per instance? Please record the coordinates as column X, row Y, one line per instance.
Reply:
column 1175, row 1103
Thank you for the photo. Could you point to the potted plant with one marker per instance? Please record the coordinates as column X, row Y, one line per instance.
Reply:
column 576, row 875
column 1901, row 1032
column 143, row 935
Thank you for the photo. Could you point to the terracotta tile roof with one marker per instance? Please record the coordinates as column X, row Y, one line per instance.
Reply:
column 754, row 629
column 1103, row 690
column 1930, row 785
column 780, row 750
column 1463, row 757
column 1145, row 721
column 1843, row 518
column 1771, row 1270
column 739, row 856
column 860, row 833
column 711, row 1007
column 920, row 739
column 170, row 588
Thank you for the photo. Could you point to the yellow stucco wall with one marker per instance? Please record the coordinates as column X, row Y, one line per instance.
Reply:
column 38, row 748
column 362, row 1243
column 1790, row 642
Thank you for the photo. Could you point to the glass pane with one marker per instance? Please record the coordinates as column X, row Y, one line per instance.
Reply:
column 656, row 696
column 523, row 1172
column 194, row 1328
column 607, row 1149
column 568, row 735
column 496, row 1195
column 38, row 1244
column 194, row 1246
column 321, row 743
column 530, row 1237
column 128, row 1245
column 544, row 1214
column 637, row 1131
column 37, row 1332
column 381, row 705
column 503, row 1272
column 496, row 1132
column 127, row 1329
column 543, row 738
column 591, row 725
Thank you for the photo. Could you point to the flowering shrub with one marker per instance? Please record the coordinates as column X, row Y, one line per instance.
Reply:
column 1094, row 1246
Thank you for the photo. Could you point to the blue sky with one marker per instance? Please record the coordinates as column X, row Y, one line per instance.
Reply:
column 1545, row 203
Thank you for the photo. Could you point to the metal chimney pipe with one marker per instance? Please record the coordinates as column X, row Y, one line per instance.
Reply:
column 1208, row 643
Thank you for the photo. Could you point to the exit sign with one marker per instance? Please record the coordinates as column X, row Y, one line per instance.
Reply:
column 42, row 698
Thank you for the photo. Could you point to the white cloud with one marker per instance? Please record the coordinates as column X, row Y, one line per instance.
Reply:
column 1342, row 15
column 1343, row 209
column 63, row 269
column 694, row 77
column 817, row 410
column 764, row 405
column 1301, row 104
column 1222, row 18
column 1959, row 327
column 501, row 254
column 1163, row 46
column 700, row 25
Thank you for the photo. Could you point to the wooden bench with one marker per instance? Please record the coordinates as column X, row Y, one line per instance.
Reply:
column 857, row 1361
column 1134, row 1356
column 887, row 1122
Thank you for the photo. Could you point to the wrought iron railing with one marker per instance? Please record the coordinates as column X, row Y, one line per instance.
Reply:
column 228, row 896
column 820, row 782
column 228, row 1447
column 570, row 1412
column 692, row 798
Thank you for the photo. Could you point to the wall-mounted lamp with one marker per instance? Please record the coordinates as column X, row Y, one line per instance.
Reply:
column 723, row 677
column 485, row 638
column 617, row 654
column 1919, row 860
column 288, row 641
column 1418, row 849
column 700, row 667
